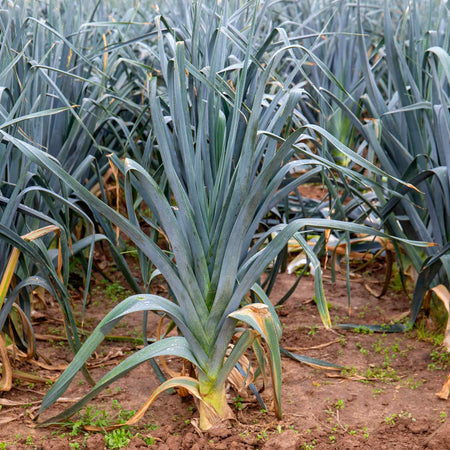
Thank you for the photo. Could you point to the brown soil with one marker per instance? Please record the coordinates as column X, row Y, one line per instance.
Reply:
column 366, row 406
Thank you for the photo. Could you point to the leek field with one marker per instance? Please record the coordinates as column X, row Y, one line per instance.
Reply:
column 224, row 224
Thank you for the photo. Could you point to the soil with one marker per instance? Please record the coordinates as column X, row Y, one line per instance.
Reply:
column 384, row 399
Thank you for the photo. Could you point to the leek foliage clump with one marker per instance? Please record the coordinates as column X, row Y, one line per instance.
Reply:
column 206, row 121
column 226, row 132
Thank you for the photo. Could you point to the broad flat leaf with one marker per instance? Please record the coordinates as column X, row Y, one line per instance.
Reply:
column 176, row 346
column 141, row 302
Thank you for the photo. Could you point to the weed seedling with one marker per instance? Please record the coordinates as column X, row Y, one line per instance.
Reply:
column 440, row 358
column 366, row 433
column 377, row 391
column 118, row 439
column 362, row 330
column 390, row 420
column 262, row 435
column 339, row 404
column 412, row 384
column 361, row 348
column 238, row 402
column 148, row 440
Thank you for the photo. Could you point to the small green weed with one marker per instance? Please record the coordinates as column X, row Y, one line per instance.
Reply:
column 310, row 446
column 441, row 359
column 361, row 348
column 412, row 384
column 424, row 333
column 349, row 371
column 118, row 439
column 385, row 374
column 262, row 435
column 390, row 420
column 238, row 402
column 377, row 391
column 339, row 404
column 114, row 291
column 362, row 330
column 92, row 415
column 148, row 440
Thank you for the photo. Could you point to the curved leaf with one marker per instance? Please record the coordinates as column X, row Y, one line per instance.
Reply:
column 176, row 346
column 136, row 303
